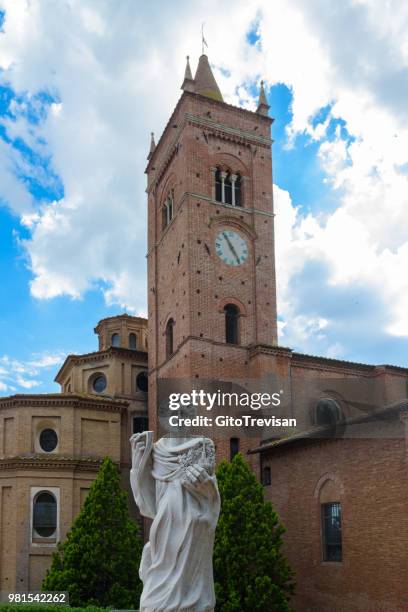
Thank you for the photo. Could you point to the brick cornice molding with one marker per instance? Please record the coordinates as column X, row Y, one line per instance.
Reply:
column 225, row 132
column 328, row 363
column 238, row 347
column 121, row 317
column 72, row 360
column 269, row 349
column 55, row 462
column 64, row 400
column 185, row 95
column 228, row 215
column 212, row 129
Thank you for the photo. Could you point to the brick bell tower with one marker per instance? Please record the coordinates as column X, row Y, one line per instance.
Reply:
column 211, row 269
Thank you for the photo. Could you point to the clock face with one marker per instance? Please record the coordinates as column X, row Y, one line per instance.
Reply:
column 231, row 248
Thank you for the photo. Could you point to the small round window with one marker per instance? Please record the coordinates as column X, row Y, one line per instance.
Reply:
column 48, row 440
column 45, row 514
column 142, row 381
column 99, row 383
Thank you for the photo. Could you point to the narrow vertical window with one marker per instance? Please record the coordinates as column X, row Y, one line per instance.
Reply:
column 169, row 338
column 218, row 192
column 132, row 341
column 231, row 324
column 168, row 209
column 115, row 340
column 44, row 515
column 234, row 447
column 164, row 216
column 170, row 206
column 266, row 475
column 331, row 532
column 237, row 191
column 228, row 189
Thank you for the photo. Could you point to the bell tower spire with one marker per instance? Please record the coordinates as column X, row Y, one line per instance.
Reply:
column 263, row 106
column 188, row 83
column 152, row 145
column 205, row 83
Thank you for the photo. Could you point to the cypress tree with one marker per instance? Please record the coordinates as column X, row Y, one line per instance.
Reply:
column 98, row 563
column 251, row 574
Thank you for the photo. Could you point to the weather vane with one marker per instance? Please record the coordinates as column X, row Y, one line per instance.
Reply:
column 203, row 41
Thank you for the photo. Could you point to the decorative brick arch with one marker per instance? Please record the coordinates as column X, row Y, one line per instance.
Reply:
column 231, row 220
column 228, row 161
column 323, row 480
column 332, row 395
column 169, row 316
column 231, row 164
column 169, row 183
column 230, row 300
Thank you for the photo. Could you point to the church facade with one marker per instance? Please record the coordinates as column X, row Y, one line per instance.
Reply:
column 338, row 481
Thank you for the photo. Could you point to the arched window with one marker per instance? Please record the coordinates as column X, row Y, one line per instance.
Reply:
column 327, row 412
column 231, row 324
column 115, row 340
column 330, row 495
column 168, row 209
column 142, row 382
column 45, row 515
column 132, row 341
column 228, row 187
column 169, row 337
column 331, row 531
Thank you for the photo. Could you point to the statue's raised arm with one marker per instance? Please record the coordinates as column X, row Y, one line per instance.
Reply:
column 141, row 478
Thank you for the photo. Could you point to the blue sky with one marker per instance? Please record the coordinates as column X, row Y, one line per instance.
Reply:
column 75, row 115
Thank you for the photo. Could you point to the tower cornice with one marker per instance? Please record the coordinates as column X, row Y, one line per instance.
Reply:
column 188, row 94
column 213, row 129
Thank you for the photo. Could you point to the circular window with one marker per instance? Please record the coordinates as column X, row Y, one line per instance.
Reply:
column 48, row 440
column 99, row 383
column 45, row 514
column 142, row 381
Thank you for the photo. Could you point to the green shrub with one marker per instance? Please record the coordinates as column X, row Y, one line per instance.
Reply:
column 98, row 563
column 251, row 574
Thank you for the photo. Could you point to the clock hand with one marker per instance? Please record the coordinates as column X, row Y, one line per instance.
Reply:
column 231, row 247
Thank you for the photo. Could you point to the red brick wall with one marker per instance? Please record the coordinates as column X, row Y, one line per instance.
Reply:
column 370, row 480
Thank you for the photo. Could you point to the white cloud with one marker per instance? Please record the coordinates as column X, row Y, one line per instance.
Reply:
column 115, row 72
column 17, row 375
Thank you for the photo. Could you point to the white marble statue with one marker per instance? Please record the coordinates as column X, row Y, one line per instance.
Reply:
column 174, row 484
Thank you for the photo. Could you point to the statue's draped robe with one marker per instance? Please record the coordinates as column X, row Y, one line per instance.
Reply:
column 176, row 567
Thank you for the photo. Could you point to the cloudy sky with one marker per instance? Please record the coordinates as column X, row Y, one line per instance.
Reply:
column 82, row 84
